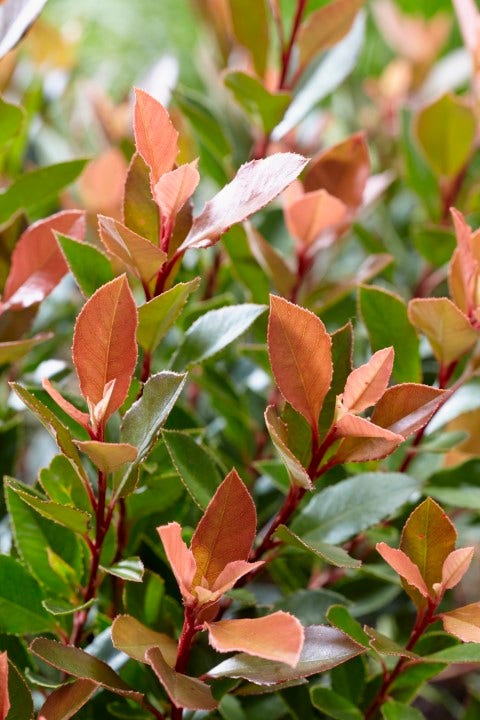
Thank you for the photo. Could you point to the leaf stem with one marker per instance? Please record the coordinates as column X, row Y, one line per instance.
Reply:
column 287, row 51
column 189, row 630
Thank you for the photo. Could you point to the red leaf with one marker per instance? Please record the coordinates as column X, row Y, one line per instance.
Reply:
column 104, row 345
column 226, row 580
column 464, row 622
column 402, row 565
column 363, row 449
column 183, row 691
column 353, row 426
column 174, row 188
column 300, row 355
column 4, row 699
column 37, row 264
column 469, row 266
column 108, row 457
column 255, row 185
column 102, row 183
column 312, row 214
column 66, row 700
column 366, row 384
column 226, row 531
column 277, row 637
column 454, row 568
column 80, row 417
column 181, row 559
column 137, row 253
column 406, row 408
column 155, row 136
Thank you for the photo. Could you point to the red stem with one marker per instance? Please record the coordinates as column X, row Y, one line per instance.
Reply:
column 287, row 51
column 188, row 633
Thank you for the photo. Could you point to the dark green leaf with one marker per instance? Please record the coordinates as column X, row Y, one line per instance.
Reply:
column 393, row 710
column 333, row 705
column 264, row 107
column 69, row 517
column 90, row 267
column 156, row 317
column 21, row 610
column 330, row 553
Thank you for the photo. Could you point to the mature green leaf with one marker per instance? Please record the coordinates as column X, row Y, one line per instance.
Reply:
column 393, row 710
column 334, row 705
column 386, row 646
column 386, row 319
column 250, row 20
column 205, row 123
column 330, row 553
column 340, row 617
column 21, row 610
column 463, row 653
column 127, row 569
column 63, row 485
column 21, row 707
column 419, row 175
column 273, row 263
column 11, row 121
column 310, row 606
column 264, row 107
column 156, row 317
column 195, row 465
column 90, row 267
column 435, row 243
column 244, row 266
column 64, row 607
column 69, row 517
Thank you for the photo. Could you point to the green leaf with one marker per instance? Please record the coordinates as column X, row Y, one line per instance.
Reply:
column 330, row 553
column 386, row 319
column 213, row 331
column 264, row 107
column 418, row 173
column 385, row 646
column 435, row 244
column 205, row 123
column 341, row 511
column 393, row 710
column 195, row 465
column 342, row 352
column 21, row 707
column 90, row 267
column 13, row 350
column 446, row 132
column 250, row 20
column 140, row 212
column 34, row 188
column 156, row 317
column 21, row 610
column 334, row 705
column 144, row 601
column 272, row 262
column 278, row 432
column 128, row 569
column 69, row 517
column 463, row 653
column 11, row 121
column 64, row 607
column 309, row 606
column 467, row 497
column 63, row 485
column 244, row 267
column 341, row 618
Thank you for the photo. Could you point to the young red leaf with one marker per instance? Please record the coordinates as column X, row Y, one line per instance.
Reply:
column 174, row 188
column 402, row 565
column 230, row 574
column 136, row 253
column 353, row 426
column 226, row 531
column 134, row 639
column 366, row 384
column 37, row 263
column 66, row 700
column 183, row 691
column 108, row 457
column 312, row 214
column 469, row 266
column 80, row 417
column 447, row 328
column 255, row 185
column 454, row 568
column 181, row 559
column 301, row 357
column 274, row 637
column 104, row 343
column 4, row 699
column 406, row 408
column 464, row 622
column 325, row 27
column 155, row 136
column 363, row 449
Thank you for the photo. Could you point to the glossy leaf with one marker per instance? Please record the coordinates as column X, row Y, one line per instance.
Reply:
column 63, row 485
column 255, row 185
column 332, row 704
column 104, row 343
column 4, row 698
column 136, row 253
column 323, row 649
column 366, row 384
column 21, row 610
column 265, row 108
column 155, row 136
column 250, row 19
column 90, row 268
column 312, row 214
column 108, row 457
column 402, row 565
column 70, row 517
column 406, row 408
column 130, row 569
column 278, row 434
column 331, row 554
column 156, row 317
column 174, row 188
column 340, row 617
column 300, row 355
column 386, row 646
column 446, row 327
column 463, row 622
column 325, row 27
column 354, row 426
column 140, row 212
column 183, row 691
column 66, row 700
column 134, row 639
column 278, row 637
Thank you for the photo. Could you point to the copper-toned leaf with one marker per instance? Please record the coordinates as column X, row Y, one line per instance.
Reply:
column 155, row 136
column 136, row 253
column 183, row 691
column 4, row 699
column 270, row 260
column 428, row 538
column 467, row 262
column 174, row 188
column 108, row 457
column 363, row 449
column 37, row 264
column 82, row 418
column 464, row 622
column 179, row 556
column 104, row 343
column 255, row 185
column 311, row 214
column 342, row 170
column 402, row 565
column 366, row 384
column 278, row 636
column 455, row 567
column 134, row 639
column 300, row 355
column 226, row 579
column 446, row 327
column 66, row 700
column 353, row 426
column 406, row 408
column 278, row 434
column 325, row 27
column 226, row 531
column 102, row 183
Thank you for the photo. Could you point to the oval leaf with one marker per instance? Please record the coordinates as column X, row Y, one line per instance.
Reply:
column 183, row 691
column 108, row 457
column 134, row 639
column 155, row 136
column 447, row 328
column 136, row 253
column 66, row 700
column 366, row 384
column 310, row 215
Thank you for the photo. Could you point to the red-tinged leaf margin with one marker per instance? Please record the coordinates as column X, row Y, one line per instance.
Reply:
column 174, row 188
column 104, row 343
column 300, row 351
column 310, row 215
column 408, row 407
column 66, row 700
column 133, row 638
column 366, row 385
column 4, row 699
column 454, row 568
column 80, row 417
column 108, row 457
column 463, row 622
column 183, row 691
column 181, row 559
column 155, row 135
column 403, row 566
column 135, row 252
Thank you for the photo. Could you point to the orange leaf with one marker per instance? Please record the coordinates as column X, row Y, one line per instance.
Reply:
column 402, row 565
column 454, row 568
column 353, row 426
column 37, row 263
column 226, row 580
column 137, row 253
column 104, row 343
column 133, row 638
column 4, row 699
column 183, row 691
column 174, row 188
column 179, row 556
column 363, row 449
column 342, row 170
column 300, row 355
column 366, row 384
column 67, row 699
column 325, row 27
column 80, row 417
column 406, row 408
column 464, row 622
column 277, row 637
column 312, row 214
column 155, row 136
column 102, row 183
column 469, row 265
column 107, row 457
column 226, row 531
column 447, row 328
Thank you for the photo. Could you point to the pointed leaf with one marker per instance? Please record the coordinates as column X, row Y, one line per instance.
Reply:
column 20, row 693
column 70, row 517
column 323, row 649
column 108, row 457
column 255, row 185
column 140, row 212
column 278, row 434
column 82, row 418
column 330, row 553
column 386, row 646
column 130, row 569
column 12, row 118
column 37, row 264
column 174, row 188
column 265, row 108
column 81, row 665
column 353, row 426
column 226, row 531
column 65, row 607
column 4, row 699
column 250, row 19
column 455, row 567
column 17, row 349
column 325, row 27
column 183, row 691
column 274, row 265
column 300, row 355
column 366, row 384
column 136, row 253
column 156, row 317
column 104, row 343
column 467, row 263
column 403, row 566
column 446, row 327
column 230, row 574
column 406, row 408
column 312, row 214
column 464, row 622
column 181, row 559
column 366, row 448
column 90, row 267
column 134, row 639
column 155, row 136
column 332, row 704
column 66, row 700
column 339, row 616
column 21, row 610
column 278, row 637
